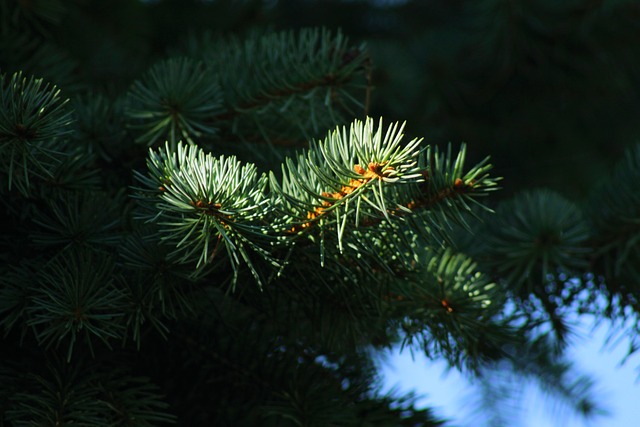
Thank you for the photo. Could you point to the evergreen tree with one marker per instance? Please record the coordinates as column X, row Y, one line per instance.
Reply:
column 205, row 221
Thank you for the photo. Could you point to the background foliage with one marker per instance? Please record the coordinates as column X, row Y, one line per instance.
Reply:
column 201, row 226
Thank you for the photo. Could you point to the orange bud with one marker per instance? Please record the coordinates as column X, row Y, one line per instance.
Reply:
column 359, row 169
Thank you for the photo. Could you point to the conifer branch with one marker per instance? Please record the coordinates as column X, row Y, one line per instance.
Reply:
column 533, row 236
column 616, row 232
column 33, row 118
column 174, row 101
column 271, row 81
column 204, row 206
column 360, row 240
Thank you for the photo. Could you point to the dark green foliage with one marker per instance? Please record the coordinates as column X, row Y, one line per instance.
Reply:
column 534, row 235
column 269, row 79
column 206, row 228
column 174, row 101
column 75, row 298
column 33, row 118
column 77, row 220
column 57, row 393
column 451, row 310
column 615, row 207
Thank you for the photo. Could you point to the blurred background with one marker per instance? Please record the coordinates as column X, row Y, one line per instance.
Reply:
column 455, row 396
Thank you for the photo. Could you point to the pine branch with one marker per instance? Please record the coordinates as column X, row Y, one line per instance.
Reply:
column 536, row 234
column 174, row 101
column 289, row 84
column 205, row 205
column 344, row 170
column 78, row 220
column 613, row 212
column 54, row 392
column 33, row 118
column 98, row 125
column 449, row 195
column 453, row 311
column 76, row 300
column 354, row 241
